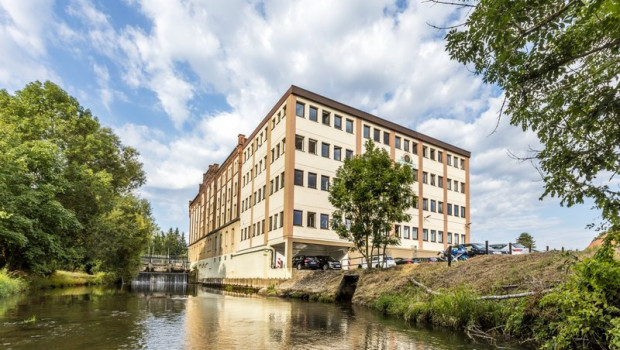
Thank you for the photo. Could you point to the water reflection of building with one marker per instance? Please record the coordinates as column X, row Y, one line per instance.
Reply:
column 220, row 321
column 269, row 199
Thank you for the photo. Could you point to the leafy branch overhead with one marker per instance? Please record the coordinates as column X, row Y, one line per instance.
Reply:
column 558, row 63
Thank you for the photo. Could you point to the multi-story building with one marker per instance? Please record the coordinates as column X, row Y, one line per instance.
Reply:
column 268, row 201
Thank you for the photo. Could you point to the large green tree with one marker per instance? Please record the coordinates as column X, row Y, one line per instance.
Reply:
column 62, row 173
column 558, row 63
column 370, row 194
column 169, row 243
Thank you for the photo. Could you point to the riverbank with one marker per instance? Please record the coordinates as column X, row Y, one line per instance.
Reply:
column 515, row 298
column 11, row 283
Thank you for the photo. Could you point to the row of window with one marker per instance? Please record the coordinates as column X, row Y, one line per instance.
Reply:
column 437, row 207
column 274, row 186
column 376, row 136
column 313, row 115
column 275, row 221
column 262, row 137
column 435, row 235
column 325, row 148
column 436, row 180
column 310, row 219
column 312, row 179
column 259, row 167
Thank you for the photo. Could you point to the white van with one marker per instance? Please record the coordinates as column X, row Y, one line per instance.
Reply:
column 379, row 261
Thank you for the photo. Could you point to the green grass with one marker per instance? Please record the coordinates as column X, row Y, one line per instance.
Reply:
column 10, row 284
column 61, row 279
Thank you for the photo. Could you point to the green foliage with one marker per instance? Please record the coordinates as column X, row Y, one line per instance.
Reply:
column 169, row 243
column 10, row 284
column 370, row 194
column 558, row 63
column 527, row 240
column 62, row 174
column 587, row 308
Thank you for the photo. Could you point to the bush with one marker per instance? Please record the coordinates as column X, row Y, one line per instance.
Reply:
column 10, row 284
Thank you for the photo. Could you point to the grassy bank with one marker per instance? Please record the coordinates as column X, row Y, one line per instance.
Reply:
column 10, row 284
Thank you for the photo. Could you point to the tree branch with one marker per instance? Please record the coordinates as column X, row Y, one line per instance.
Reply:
column 450, row 3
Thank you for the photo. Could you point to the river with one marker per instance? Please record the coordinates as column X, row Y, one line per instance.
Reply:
column 196, row 317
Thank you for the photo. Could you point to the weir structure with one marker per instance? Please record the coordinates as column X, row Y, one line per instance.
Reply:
column 162, row 271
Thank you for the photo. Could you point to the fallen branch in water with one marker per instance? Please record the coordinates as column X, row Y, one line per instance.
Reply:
column 486, row 297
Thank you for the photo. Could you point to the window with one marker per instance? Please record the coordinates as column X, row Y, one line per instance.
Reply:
column 433, row 235
column 282, row 180
column 338, row 122
column 277, row 183
column 406, row 146
column 449, row 209
column 463, row 239
column 299, row 142
column 456, row 162
column 281, row 218
column 366, row 131
column 325, row 183
column 326, row 118
column 433, row 205
column 311, row 219
column 275, row 221
column 262, row 226
column 432, row 153
column 439, row 236
column 440, row 207
column 425, row 234
column 456, row 186
column 348, row 154
column 440, row 181
column 462, row 211
column 414, row 148
column 424, row 151
column 377, row 135
column 297, row 217
column 311, row 180
column 406, row 232
column 439, row 156
column 424, row 177
column 449, row 159
column 397, row 142
column 313, row 114
column 324, row 221
column 432, row 179
column 300, row 108
column 397, row 230
column 299, row 177
column 456, row 210
column 386, row 138
column 349, row 126
column 337, row 153
column 449, row 237
column 325, row 149
column 414, row 232
column 312, row 146
column 456, row 238
column 424, row 204
column 462, row 187
column 449, row 184
column 462, row 163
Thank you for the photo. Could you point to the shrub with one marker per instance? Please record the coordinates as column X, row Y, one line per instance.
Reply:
column 10, row 284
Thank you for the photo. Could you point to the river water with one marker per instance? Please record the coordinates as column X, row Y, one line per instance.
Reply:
column 200, row 318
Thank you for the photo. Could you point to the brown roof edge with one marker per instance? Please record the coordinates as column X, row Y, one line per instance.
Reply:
column 295, row 90
column 268, row 116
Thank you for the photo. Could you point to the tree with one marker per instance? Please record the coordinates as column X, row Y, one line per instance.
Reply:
column 61, row 174
column 558, row 64
column 370, row 193
column 169, row 243
column 526, row 240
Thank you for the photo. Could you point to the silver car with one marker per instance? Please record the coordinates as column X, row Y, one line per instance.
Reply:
column 517, row 248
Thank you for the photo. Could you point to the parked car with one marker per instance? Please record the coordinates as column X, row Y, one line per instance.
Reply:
column 328, row 263
column 302, row 262
column 474, row 249
column 517, row 248
column 403, row 261
column 379, row 261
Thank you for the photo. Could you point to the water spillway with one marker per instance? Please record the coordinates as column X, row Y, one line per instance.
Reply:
column 150, row 278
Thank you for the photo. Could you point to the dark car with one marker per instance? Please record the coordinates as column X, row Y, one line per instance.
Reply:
column 328, row 263
column 474, row 249
column 305, row 262
column 403, row 261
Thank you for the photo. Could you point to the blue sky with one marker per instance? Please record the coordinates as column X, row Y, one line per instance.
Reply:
column 178, row 80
